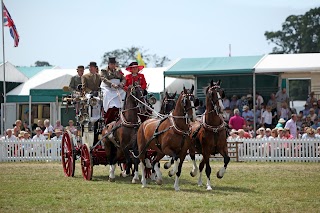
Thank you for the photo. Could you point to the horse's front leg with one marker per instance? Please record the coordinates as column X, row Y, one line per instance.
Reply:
column 182, row 156
column 208, row 173
column 226, row 160
column 156, row 167
column 112, row 163
column 126, row 172
column 195, row 168
column 136, row 161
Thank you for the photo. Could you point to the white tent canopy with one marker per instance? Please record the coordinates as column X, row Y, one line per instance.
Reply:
column 12, row 73
column 275, row 63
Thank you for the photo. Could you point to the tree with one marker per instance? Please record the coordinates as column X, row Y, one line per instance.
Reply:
column 42, row 64
column 127, row 55
column 299, row 34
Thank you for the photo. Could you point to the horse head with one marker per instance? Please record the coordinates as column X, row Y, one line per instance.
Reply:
column 168, row 103
column 135, row 94
column 214, row 96
column 185, row 101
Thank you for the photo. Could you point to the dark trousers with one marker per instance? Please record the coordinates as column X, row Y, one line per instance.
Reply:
column 111, row 115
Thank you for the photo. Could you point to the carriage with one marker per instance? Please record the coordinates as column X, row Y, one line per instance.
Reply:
column 86, row 142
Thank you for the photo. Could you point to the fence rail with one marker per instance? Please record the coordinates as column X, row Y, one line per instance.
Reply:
column 276, row 150
column 30, row 150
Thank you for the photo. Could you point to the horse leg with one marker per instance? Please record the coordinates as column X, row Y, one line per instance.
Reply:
column 168, row 164
column 182, row 156
column 126, row 172
column 195, row 169
column 226, row 160
column 201, row 166
column 112, row 163
column 143, row 173
column 136, row 161
column 208, row 173
column 157, row 168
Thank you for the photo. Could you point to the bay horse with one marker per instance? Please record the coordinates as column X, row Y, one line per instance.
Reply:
column 122, row 133
column 167, row 136
column 208, row 136
column 168, row 103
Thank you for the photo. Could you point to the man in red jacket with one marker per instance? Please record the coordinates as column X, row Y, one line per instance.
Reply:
column 135, row 76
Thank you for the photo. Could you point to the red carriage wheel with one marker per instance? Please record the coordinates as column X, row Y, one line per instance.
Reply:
column 86, row 163
column 67, row 155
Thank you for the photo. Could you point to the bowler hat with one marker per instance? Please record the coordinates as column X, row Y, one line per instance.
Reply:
column 93, row 64
column 134, row 64
column 112, row 60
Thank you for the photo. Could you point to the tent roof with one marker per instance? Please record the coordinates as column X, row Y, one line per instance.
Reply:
column 12, row 73
column 275, row 63
column 46, row 79
column 211, row 66
column 32, row 71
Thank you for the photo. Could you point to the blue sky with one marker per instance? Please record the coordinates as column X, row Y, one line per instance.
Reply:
column 72, row 32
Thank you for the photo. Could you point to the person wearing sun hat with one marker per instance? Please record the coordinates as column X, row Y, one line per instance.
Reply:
column 38, row 135
column 281, row 123
column 135, row 76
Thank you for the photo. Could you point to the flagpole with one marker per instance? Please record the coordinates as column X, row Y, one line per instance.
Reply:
column 3, row 122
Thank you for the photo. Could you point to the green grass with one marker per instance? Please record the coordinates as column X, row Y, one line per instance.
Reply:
column 246, row 187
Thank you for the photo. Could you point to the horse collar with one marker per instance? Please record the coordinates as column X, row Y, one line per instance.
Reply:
column 126, row 123
column 176, row 128
column 214, row 129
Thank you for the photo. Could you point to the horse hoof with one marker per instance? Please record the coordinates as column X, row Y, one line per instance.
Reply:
column 159, row 182
column 112, row 179
column 218, row 175
column 169, row 173
column 134, row 181
column 192, row 174
column 166, row 165
column 144, row 186
column 209, row 188
column 176, row 189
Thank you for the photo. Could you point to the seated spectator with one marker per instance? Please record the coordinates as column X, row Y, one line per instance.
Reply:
column 21, row 135
column 38, row 135
column 233, row 134
column 58, row 125
column 58, row 133
column 281, row 123
column 260, row 133
column 247, row 115
column 41, row 125
column 234, row 102
column 9, row 135
column 243, row 134
column 307, row 121
column 242, row 102
column 310, row 100
column 227, row 114
column 236, row 122
column 284, row 111
column 26, row 136
column 311, row 134
column 17, row 128
column 72, row 128
column 226, row 102
column 274, row 133
column 312, row 114
column 250, row 101
column 287, row 134
column 305, row 111
column 316, row 123
column 318, row 132
column 299, row 121
column 200, row 109
column 49, row 129
column 259, row 100
column 280, row 132
column 268, row 134
column 25, row 127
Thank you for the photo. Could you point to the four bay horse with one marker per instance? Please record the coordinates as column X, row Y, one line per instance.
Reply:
column 122, row 133
column 167, row 136
column 208, row 136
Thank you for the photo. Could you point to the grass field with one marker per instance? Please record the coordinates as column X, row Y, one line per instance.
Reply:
column 246, row 187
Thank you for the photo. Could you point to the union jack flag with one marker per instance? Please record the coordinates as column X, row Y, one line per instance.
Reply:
column 7, row 20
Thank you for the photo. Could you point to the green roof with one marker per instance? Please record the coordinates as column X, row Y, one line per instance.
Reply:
column 31, row 71
column 212, row 66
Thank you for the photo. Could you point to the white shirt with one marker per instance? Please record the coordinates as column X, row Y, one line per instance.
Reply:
column 40, row 137
column 47, row 130
column 291, row 124
column 226, row 103
column 267, row 117
column 12, row 138
column 55, row 138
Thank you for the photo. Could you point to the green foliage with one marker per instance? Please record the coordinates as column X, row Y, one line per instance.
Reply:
column 127, row 55
column 246, row 187
column 42, row 64
column 299, row 34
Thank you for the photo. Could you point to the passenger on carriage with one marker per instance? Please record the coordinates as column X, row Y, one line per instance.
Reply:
column 91, row 81
column 135, row 76
column 76, row 83
column 112, row 85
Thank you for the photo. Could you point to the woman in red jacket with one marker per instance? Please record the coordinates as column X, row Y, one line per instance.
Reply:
column 135, row 76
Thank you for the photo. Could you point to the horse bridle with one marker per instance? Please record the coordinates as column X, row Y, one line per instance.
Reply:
column 215, row 103
column 166, row 102
column 190, row 97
